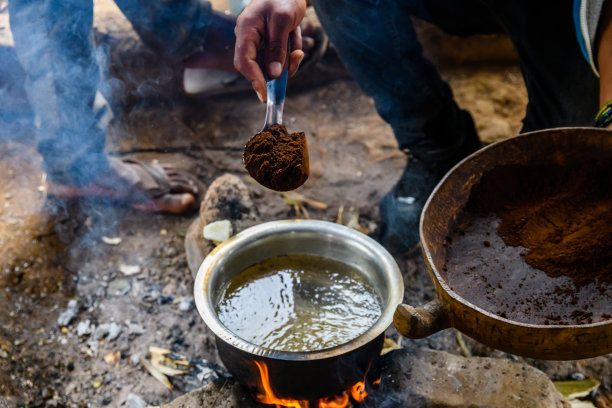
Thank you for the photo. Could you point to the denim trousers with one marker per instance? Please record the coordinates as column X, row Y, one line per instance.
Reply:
column 53, row 41
column 377, row 42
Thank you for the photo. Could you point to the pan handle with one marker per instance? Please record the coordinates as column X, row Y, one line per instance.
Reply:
column 423, row 321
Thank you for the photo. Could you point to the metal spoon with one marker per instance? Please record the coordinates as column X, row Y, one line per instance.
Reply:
column 288, row 176
column 276, row 98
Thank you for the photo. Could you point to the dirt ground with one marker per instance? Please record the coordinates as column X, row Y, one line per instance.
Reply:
column 51, row 255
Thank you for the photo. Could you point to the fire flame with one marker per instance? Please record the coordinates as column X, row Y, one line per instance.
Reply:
column 357, row 391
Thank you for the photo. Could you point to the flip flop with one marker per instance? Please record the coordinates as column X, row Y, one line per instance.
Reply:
column 153, row 185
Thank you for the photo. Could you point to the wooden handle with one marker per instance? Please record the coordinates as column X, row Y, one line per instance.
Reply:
column 419, row 322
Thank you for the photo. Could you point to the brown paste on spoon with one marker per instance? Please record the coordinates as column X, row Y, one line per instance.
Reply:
column 277, row 159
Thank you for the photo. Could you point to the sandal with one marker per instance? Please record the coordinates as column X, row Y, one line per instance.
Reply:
column 147, row 187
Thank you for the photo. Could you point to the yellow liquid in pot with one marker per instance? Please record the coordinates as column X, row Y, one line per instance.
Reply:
column 299, row 303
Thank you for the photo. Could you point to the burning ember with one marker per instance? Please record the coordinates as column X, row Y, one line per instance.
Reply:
column 358, row 391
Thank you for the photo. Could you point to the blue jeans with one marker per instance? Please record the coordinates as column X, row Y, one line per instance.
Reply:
column 378, row 45
column 53, row 41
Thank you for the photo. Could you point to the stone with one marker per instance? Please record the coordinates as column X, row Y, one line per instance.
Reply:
column 135, row 329
column 66, row 317
column 134, row 401
column 223, row 394
column 186, row 304
column 119, row 287
column 423, row 378
column 111, row 330
column 84, row 328
column 227, row 198
column 134, row 359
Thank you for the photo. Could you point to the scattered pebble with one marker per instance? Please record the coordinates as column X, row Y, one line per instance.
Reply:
column 129, row 270
column 577, row 376
column 186, row 304
column 152, row 294
column 66, row 317
column 91, row 349
column 134, row 359
column 134, row 401
column 112, row 357
column 111, row 240
column 85, row 328
column 218, row 231
column 112, row 330
column 135, row 329
column 118, row 287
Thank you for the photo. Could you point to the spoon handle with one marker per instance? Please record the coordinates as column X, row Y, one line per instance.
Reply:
column 276, row 97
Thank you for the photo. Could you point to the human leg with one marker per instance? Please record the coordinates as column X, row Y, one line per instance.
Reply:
column 52, row 40
column 53, row 45
column 379, row 46
column 562, row 88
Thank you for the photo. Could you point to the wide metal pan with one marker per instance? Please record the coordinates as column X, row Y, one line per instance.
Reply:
column 555, row 342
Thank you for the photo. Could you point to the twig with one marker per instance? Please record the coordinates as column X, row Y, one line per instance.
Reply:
column 219, row 393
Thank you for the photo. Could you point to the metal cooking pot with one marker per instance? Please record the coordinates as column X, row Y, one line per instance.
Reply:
column 299, row 375
column 554, row 342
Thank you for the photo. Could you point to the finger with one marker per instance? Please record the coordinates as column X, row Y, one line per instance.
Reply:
column 248, row 40
column 295, row 59
column 296, row 39
column 279, row 27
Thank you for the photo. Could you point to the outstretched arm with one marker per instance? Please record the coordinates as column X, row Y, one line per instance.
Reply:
column 604, row 53
column 262, row 35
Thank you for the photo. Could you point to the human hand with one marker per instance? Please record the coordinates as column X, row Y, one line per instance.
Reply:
column 268, row 26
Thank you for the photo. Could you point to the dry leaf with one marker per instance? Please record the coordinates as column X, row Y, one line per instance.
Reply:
column 167, row 365
column 581, row 404
column 389, row 345
column 156, row 374
column 158, row 350
column 465, row 352
column 350, row 218
column 298, row 202
column 577, row 389
column 113, row 357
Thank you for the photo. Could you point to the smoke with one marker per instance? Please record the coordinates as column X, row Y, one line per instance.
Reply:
column 16, row 116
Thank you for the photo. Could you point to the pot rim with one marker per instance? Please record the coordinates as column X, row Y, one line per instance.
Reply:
column 388, row 263
column 428, row 253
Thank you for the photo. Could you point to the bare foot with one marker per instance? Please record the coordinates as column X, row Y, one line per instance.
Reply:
column 146, row 187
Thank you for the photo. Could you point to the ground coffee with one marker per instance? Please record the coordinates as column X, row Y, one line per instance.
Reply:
column 277, row 159
column 561, row 214
column 534, row 243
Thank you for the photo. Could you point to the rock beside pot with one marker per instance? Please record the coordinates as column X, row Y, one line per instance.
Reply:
column 228, row 394
column 227, row 199
column 423, row 378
